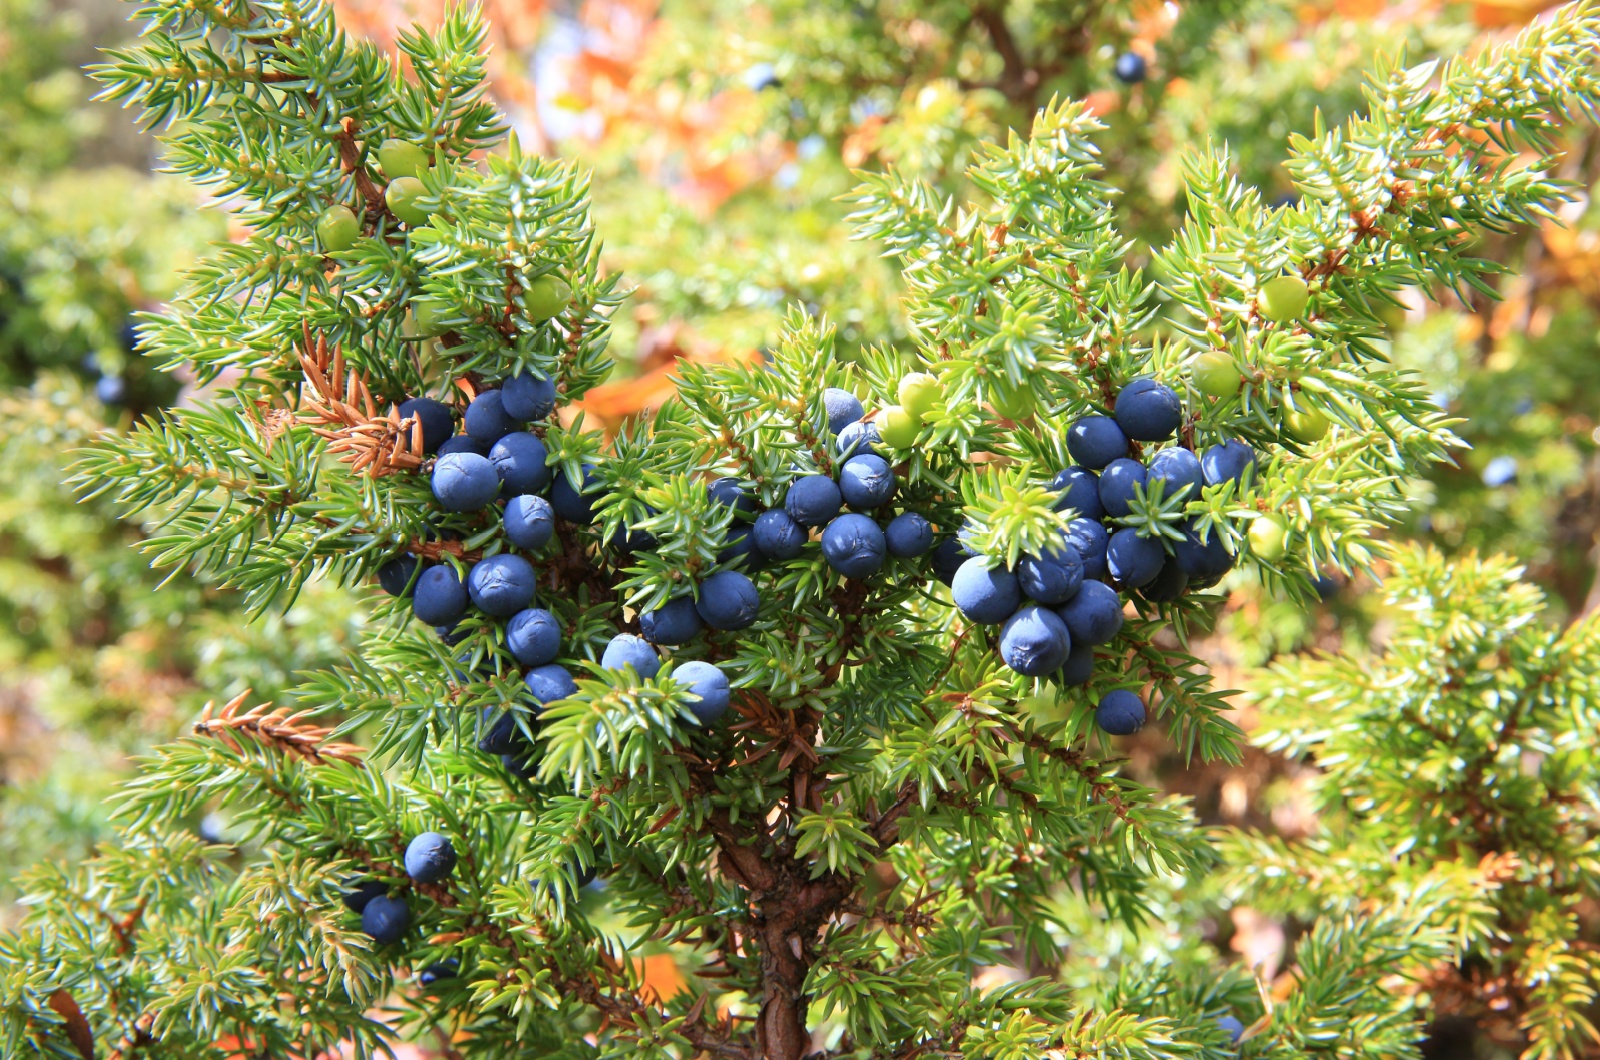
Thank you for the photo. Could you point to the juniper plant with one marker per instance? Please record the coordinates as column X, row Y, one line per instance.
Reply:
column 886, row 805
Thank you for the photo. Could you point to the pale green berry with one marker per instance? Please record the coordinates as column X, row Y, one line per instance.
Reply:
column 546, row 297
column 338, row 228
column 1012, row 404
column 402, row 195
column 430, row 314
column 400, row 158
column 1269, row 537
column 1216, row 374
column 897, row 428
column 1283, row 299
column 1306, row 425
column 920, row 393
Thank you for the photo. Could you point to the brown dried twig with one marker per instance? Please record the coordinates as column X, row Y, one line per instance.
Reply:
column 368, row 441
column 272, row 726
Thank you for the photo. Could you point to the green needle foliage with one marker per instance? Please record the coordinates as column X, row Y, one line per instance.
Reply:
column 893, row 808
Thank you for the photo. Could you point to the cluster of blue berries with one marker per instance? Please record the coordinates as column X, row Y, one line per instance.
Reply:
column 430, row 858
column 1055, row 607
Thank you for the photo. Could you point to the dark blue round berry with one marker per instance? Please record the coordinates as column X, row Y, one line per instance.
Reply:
column 908, row 535
column 433, row 973
column 1120, row 713
column 520, row 763
column 463, row 443
column 1148, row 411
column 385, row 919
column 741, row 549
column 1080, row 492
column 1232, row 1028
column 860, row 437
column 111, row 389
column 1052, row 578
column 626, row 650
column 1118, row 484
column 728, row 600
column 812, row 500
column 1231, row 460
column 395, row 575
column 843, row 408
column 948, row 558
column 450, row 634
column 866, row 482
column 533, row 637
column 1090, row 539
column 632, row 541
column 502, row 585
column 529, row 521
column 708, row 690
column 1202, row 561
column 1034, row 642
column 364, row 891
column 440, row 598
column 1169, row 583
column 528, row 397
column 1130, row 68
column 430, row 857
column 500, row 736
column 986, row 596
column 1133, row 560
column 1095, row 441
column 486, row 418
column 436, row 418
column 1094, row 616
column 778, row 536
column 1179, row 469
column 572, row 503
column 464, row 482
column 548, row 683
column 854, row 546
column 1327, row 587
column 674, row 622
column 1079, row 667
column 519, row 459
column 731, row 493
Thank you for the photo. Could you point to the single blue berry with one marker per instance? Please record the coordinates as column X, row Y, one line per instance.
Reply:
column 385, row 919
column 433, row 973
column 1179, row 469
column 854, row 546
column 1169, row 583
column 1326, row 586
column 519, row 459
column 356, row 898
column 948, row 558
column 1052, row 578
column 1231, row 460
column 728, row 600
column 1232, row 1028
column 436, row 418
column 1095, row 441
column 1080, row 492
column 486, row 418
column 709, row 693
column 548, row 683
column 450, row 634
column 395, row 575
column 1090, row 539
column 1034, row 642
column 626, row 650
column 430, row 857
column 1500, row 471
column 1134, row 560
column 464, row 482
column 629, row 541
column 731, row 493
column 1118, row 484
column 502, row 585
column 1130, row 68
column 674, row 622
column 111, row 389
column 523, row 763
column 812, row 500
column 866, row 482
column 500, row 733
column 1094, row 616
column 985, row 595
column 533, row 636
column 439, row 598
column 463, row 443
column 1079, row 667
column 778, row 536
column 1148, row 411
column 741, row 549
column 1203, row 561
column 1120, row 713
column 843, row 408
column 529, row 521
column 908, row 535
column 859, row 437
column 527, row 397
column 575, row 504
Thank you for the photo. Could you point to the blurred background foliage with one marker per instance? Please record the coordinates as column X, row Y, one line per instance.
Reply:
column 721, row 134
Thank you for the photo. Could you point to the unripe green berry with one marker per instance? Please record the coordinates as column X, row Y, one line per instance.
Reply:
column 1216, row 374
column 430, row 314
column 546, row 297
column 897, row 428
column 338, row 228
column 1269, row 537
column 401, row 159
column 1283, row 299
column 402, row 195
column 919, row 394
column 1306, row 425
column 1012, row 404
